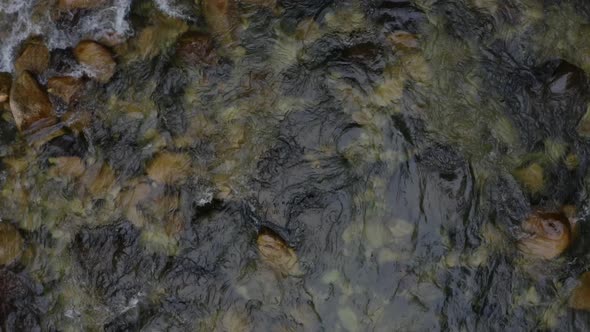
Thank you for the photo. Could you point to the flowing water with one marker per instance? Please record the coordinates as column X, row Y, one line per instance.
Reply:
column 397, row 146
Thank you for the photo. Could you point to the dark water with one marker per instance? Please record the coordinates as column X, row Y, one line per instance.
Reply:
column 392, row 166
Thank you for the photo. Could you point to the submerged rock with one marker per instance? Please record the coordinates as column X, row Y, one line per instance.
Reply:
column 76, row 120
column 549, row 234
column 34, row 57
column 64, row 87
column 97, row 58
column 30, row 104
column 69, row 167
column 98, row 179
column 532, row 177
column 276, row 252
column 580, row 297
column 403, row 40
column 169, row 167
column 11, row 243
column 196, row 48
column 80, row 4
column 222, row 18
column 583, row 128
column 566, row 78
column 5, row 84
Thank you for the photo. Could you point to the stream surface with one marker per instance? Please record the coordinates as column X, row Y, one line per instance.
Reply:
column 396, row 146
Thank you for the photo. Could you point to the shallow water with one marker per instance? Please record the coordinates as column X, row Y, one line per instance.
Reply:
column 396, row 146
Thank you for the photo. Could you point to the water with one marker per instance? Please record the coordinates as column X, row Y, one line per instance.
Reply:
column 396, row 146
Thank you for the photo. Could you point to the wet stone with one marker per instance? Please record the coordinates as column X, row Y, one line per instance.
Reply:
column 221, row 18
column 276, row 252
column 18, row 310
column 11, row 243
column 97, row 59
column 30, row 104
column 196, row 48
column 403, row 40
column 64, row 87
column 169, row 167
column 548, row 235
column 5, row 84
column 580, row 297
column 566, row 77
column 80, row 4
column 583, row 128
column 34, row 57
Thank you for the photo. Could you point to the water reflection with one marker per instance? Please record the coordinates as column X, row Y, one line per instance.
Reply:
column 298, row 165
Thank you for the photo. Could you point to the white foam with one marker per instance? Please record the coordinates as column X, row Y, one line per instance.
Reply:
column 172, row 8
column 13, row 6
column 18, row 21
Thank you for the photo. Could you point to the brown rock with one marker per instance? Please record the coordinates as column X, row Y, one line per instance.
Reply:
column 34, row 57
column 265, row 3
column 580, row 297
column 549, row 234
column 70, row 167
column 97, row 58
column 11, row 243
column 195, row 48
column 276, row 253
column 30, row 104
column 64, row 87
column 5, row 84
column 103, row 181
column 404, row 40
column 222, row 18
column 80, row 4
column 169, row 167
